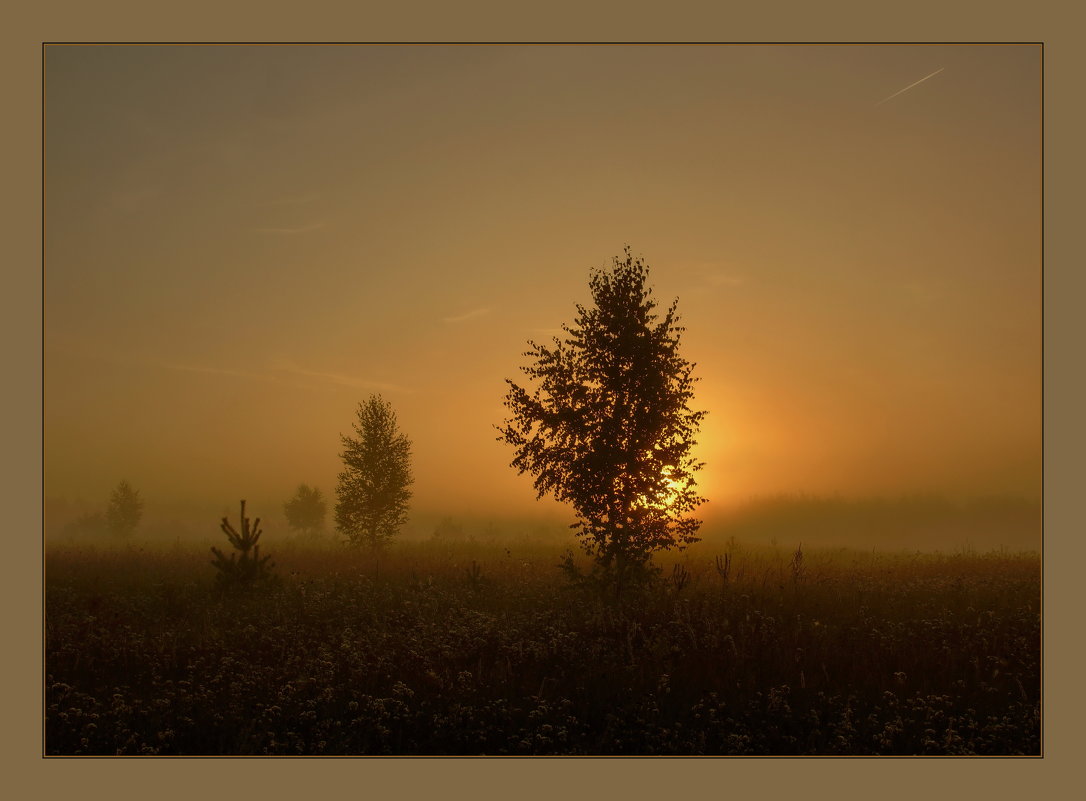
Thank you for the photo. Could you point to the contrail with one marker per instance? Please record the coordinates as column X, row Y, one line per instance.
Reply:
column 907, row 88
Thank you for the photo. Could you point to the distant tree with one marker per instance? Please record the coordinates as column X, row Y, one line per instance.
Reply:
column 90, row 526
column 608, row 426
column 448, row 530
column 372, row 495
column 306, row 510
column 124, row 511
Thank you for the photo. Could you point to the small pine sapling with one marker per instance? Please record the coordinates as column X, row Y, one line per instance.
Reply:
column 247, row 567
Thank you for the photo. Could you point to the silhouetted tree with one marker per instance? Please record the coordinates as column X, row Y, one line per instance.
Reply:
column 245, row 567
column 448, row 530
column 124, row 511
column 608, row 427
column 305, row 511
column 372, row 495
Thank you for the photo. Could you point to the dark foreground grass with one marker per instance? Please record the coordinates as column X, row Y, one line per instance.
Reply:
column 487, row 650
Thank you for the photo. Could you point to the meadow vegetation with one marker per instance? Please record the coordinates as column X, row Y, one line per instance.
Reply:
column 462, row 647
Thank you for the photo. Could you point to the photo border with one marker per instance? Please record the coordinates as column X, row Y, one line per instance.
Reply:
column 792, row 21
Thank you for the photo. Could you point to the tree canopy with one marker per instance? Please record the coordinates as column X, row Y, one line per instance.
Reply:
column 606, row 424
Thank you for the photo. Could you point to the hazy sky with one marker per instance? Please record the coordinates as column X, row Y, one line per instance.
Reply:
column 244, row 242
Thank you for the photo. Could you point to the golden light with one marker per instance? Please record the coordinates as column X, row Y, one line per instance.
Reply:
column 666, row 495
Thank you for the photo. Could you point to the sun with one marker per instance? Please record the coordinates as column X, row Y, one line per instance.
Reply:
column 667, row 494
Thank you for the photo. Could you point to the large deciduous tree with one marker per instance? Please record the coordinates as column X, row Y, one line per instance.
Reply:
column 372, row 494
column 606, row 423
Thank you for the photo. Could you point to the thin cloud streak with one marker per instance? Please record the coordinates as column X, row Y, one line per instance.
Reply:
column 551, row 332
column 302, row 229
column 282, row 373
column 907, row 88
column 700, row 275
column 278, row 374
column 724, row 279
column 343, row 380
column 293, row 200
column 466, row 316
column 64, row 343
column 195, row 368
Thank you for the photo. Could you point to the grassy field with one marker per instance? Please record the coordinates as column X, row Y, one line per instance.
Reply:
column 482, row 649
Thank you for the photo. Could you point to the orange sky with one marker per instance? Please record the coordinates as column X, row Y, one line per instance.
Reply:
column 244, row 242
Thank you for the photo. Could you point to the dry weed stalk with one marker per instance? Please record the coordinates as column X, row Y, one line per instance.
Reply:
column 680, row 577
column 723, row 569
column 797, row 564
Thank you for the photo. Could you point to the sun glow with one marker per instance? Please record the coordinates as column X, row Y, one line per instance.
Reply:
column 666, row 494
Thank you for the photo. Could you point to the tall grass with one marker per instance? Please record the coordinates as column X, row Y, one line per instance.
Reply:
column 470, row 648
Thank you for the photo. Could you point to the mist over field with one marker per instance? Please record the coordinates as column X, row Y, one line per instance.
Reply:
column 925, row 523
column 542, row 400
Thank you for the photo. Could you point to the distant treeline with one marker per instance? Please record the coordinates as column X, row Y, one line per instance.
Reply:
column 79, row 521
column 924, row 522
